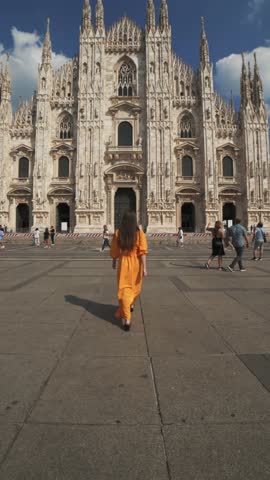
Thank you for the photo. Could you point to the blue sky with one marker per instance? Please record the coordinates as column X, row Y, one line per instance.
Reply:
column 232, row 26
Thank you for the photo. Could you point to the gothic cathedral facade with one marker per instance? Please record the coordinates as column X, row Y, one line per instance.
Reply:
column 127, row 124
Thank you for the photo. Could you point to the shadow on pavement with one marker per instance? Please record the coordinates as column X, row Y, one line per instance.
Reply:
column 99, row 310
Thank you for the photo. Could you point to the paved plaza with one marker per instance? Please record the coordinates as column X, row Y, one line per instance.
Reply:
column 184, row 396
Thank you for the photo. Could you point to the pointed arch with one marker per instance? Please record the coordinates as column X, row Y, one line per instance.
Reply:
column 126, row 72
column 65, row 126
column 186, row 125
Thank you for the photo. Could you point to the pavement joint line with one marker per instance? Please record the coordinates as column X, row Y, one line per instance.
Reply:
column 32, row 279
column 179, row 284
column 155, row 389
column 250, row 307
column 41, row 390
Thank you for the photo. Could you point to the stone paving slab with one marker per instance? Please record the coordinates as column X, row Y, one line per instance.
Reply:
column 187, row 387
column 189, row 339
column 99, row 391
column 22, row 377
column 213, row 389
column 37, row 337
column 252, row 338
column 84, row 453
column 218, row 452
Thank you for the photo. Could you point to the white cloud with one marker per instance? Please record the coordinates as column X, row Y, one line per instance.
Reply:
column 255, row 7
column 228, row 71
column 25, row 56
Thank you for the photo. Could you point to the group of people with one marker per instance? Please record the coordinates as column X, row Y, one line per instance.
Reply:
column 236, row 238
column 47, row 236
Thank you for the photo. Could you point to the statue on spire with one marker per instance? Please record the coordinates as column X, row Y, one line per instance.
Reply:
column 151, row 15
column 204, row 47
column 99, row 15
column 86, row 17
column 47, row 46
column 164, row 16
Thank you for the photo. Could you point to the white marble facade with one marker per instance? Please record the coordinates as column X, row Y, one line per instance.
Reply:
column 127, row 123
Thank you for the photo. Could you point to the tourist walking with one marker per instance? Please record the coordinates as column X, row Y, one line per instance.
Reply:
column 238, row 236
column 218, row 234
column 129, row 247
column 37, row 237
column 2, row 234
column 52, row 235
column 259, row 239
column 106, row 238
column 180, row 238
column 46, row 238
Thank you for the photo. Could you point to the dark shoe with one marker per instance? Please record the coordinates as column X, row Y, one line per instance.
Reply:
column 127, row 327
column 132, row 307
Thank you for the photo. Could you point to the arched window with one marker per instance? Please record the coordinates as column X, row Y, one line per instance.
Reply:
column 125, row 135
column 66, row 127
column 227, row 167
column 186, row 127
column 23, row 167
column 187, row 166
column 63, row 167
column 127, row 80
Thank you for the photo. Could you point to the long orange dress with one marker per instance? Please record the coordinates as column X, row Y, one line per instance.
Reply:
column 130, row 273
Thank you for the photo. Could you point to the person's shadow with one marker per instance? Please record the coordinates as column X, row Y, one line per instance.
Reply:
column 99, row 310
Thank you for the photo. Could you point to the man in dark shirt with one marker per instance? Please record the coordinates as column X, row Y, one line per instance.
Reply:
column 238, row 236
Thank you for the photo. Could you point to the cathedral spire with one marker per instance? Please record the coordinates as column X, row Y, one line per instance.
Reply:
column 204, row 47
column 245, row 85
column 47, row 46
column 257, row 84
column 99, row 15
column 151, row 15
column 86, row 17
column 164, row 16
column 6, row 77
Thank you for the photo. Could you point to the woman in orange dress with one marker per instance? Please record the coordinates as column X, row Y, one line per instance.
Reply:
column 129, row 246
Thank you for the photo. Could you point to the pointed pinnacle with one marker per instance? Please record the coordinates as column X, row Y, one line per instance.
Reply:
column 203, row 25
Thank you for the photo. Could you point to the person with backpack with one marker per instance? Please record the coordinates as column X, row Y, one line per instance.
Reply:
column 238, row 236
column 259, row 239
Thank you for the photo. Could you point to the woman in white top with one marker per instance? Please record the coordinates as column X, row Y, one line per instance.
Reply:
column 37, row 237
column 180, row 238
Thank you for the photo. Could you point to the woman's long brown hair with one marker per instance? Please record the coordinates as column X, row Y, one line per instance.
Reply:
column 128, row 231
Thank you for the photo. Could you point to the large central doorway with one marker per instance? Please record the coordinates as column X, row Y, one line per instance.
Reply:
column 125, row 199
column 229, row 214
column 62, row 218
column 188, row 217
column 22, row 218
